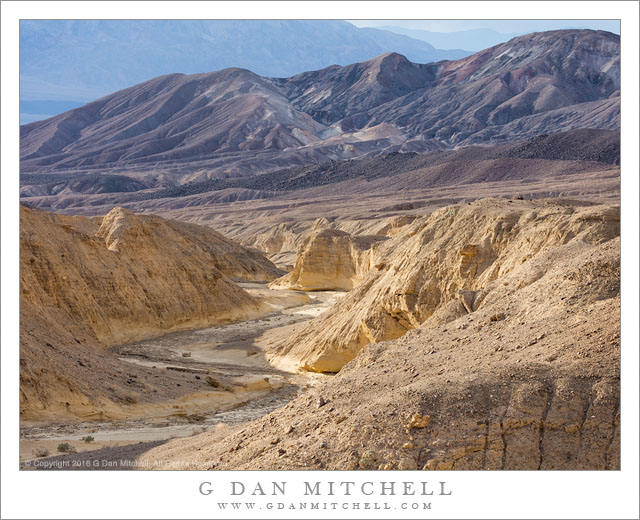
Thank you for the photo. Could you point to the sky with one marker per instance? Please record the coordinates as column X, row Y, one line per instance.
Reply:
column 502, row 26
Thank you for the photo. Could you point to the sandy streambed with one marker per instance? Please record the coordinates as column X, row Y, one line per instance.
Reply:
column 229, row 355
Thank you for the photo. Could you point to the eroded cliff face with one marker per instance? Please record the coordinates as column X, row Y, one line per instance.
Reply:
column 122, row 229
column 330, row 259
column 284, row 240
column 137, row 275
column 446, row 264
column 529, row 380
column 86, row 284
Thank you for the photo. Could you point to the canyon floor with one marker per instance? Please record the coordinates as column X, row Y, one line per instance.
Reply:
column 231, row 353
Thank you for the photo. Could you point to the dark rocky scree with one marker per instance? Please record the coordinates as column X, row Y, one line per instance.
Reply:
column 579, row 145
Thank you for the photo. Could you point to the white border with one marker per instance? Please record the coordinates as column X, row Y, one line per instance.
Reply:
column 174, row 495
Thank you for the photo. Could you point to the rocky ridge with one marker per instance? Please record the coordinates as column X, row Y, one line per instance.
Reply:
column 439, row 268
column 179, row 128
column 570, row 157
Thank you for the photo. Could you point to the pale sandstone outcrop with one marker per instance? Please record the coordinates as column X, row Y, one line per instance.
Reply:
column 139, row 275
column 85, row 285
column 120, row 227
column 330, row 259
column 444, row 262
column 288, row 237
column 278, row 239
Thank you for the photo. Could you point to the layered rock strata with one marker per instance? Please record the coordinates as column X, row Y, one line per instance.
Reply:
column 330, row 259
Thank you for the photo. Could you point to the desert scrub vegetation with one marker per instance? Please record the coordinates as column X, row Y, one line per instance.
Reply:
column 41, row 452
column 65, row 447
column 213, row 382
column 88, row 439
column 128, row 398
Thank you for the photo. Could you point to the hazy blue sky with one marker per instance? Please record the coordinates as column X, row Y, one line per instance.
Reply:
column 502, row 26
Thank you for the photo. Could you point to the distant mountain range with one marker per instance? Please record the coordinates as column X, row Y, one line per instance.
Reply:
column 471, row 39
column 188, row 128
column 81, row 60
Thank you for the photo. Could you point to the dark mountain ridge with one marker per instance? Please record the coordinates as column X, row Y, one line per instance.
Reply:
column 561, row 153
column 188, row 128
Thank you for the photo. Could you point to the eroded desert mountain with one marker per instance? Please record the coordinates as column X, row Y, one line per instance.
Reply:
column 182, row 128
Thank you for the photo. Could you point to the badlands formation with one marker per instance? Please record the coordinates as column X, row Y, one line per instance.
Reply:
column 425, row 256
column 91, row 283
column 485, row 336
column 440, row 268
